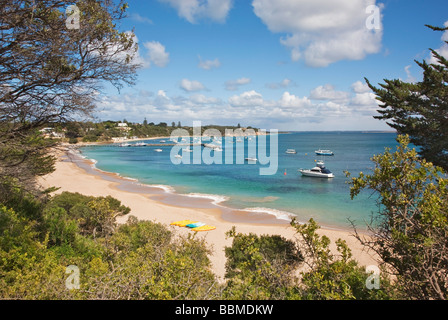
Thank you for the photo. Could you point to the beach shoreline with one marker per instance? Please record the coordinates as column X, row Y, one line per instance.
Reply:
column 155, row 204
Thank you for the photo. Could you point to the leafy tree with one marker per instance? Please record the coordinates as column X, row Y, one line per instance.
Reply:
column 61, row 229
column 138, row 260
column 145, row 261
column 328, row 276
column 420, row 109
column 50, row 73
column 410, row 231
column 261, row 267
column 27, row 269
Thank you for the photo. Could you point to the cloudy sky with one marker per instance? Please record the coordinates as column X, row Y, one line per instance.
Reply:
column 272, row 64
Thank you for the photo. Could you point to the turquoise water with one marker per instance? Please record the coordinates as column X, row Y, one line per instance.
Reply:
column 241, row 186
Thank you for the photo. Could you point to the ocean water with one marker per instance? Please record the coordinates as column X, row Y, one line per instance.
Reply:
column 286, row 193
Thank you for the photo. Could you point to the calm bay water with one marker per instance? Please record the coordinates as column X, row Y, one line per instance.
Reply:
column 241, row 186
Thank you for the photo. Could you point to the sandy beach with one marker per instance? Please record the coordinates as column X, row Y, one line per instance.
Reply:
column 146, row 204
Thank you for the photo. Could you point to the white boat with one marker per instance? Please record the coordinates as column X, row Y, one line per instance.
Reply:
column 178, row 156
column 251, row 159
column 125, row 145
column 140, row 144
column 187, row 150
column 158, row 150
column 291, row 151
column 319, row 171
column 321, row 152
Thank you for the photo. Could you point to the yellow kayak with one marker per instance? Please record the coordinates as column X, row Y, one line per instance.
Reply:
column 182, row 223
column 204, row 228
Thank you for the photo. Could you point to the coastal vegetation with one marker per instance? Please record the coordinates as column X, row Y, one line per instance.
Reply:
column 419, row 108
column 105, row 131
column 410, row 230
column 39, row 239
column 42, row 234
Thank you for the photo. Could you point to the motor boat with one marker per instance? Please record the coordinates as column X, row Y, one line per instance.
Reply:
column 158, row 150
column 251, row 159
column 291, row 151
column 321, row 152
column 319, row 171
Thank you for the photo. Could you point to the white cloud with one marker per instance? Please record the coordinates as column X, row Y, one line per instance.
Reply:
column 203, row 100
column 292, row 101
column 157, row 53
column 209, row 64
column 191, row 85
column 194, row 10
column 247, row 99
column 360, row 87
column 364, row 99
column 335, row 110
column 327, row 92
column 287, row 103
column 233, row 85
column 321, row 31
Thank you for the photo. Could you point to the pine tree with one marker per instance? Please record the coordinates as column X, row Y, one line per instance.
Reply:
column 420, row 109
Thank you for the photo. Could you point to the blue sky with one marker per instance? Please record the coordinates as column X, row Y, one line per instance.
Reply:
column 272, row 64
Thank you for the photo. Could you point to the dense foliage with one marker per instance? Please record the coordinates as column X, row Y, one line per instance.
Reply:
column 137, row 260
column 420, row 109
column 146, row 260
column 410, row 231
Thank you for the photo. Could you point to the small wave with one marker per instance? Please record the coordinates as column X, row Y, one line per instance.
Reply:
column 130, row 179
column 281, row 215
column 168, row 189
column 216, row 199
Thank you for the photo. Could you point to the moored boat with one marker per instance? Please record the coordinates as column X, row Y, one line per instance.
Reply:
column 321, row 152
column 319, row 171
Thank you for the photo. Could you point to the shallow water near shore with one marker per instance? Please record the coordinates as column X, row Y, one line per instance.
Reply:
column 241, row 192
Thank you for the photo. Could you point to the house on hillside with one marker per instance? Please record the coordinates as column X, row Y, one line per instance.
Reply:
column 51, row 133
column 123, row 126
